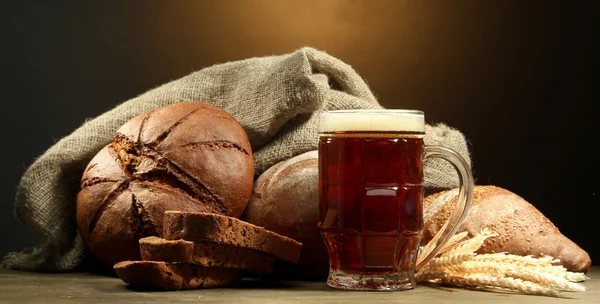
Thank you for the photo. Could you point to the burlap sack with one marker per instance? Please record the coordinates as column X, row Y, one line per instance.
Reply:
column 276, row 99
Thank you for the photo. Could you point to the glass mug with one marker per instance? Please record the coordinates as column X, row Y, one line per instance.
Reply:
column 371, row 196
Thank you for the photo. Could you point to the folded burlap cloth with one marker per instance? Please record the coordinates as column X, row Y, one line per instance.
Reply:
column 276, row 99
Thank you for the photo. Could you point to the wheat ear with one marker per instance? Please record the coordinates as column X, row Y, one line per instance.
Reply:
column 427, row 249
column 469, row 245
column 486, row 281
column 546, row 279
column 458, row 264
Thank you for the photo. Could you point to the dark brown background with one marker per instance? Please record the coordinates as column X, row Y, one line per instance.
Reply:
column 519, row 78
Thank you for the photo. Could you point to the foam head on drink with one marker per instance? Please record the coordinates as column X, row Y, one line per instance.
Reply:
column 364, row 121
column 370, row 192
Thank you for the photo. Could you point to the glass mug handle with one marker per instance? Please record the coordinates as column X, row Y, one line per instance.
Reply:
column 462, row 206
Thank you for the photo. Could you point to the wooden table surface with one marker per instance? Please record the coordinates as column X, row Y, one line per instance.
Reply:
column 25, row 287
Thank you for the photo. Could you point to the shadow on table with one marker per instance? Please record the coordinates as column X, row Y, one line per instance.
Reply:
column 244, row 284
column 267, row 283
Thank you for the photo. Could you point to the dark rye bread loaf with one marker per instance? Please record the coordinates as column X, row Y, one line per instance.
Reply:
column 208, row 227
column 285, row 200
column 206, row 254
column 174, row 276
column 186, row 156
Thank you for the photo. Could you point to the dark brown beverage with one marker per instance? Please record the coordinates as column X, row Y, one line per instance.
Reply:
column 370, row 191
column 371, row 196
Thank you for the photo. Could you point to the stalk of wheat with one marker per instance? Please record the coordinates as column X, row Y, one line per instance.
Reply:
column 458, row 264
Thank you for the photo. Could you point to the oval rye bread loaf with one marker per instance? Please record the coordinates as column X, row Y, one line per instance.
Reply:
column 188, row 156
column 285, row 200
column 522, row 229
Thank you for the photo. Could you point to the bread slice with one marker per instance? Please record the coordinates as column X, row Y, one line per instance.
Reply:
column 209, row 227
column 174, row 276
column 206, row 254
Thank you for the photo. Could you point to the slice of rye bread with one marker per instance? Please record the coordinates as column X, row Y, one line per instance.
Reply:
column 174, row 276
column 209, row 227
column 206, row 254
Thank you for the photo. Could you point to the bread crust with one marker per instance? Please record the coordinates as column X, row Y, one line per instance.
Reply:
column 209, row 227
column 285, row 200
column 174, row 276
column 206, row 254
column 522, row 229
column 186, row 156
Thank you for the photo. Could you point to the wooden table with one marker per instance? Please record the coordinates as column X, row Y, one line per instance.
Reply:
column 25, row 287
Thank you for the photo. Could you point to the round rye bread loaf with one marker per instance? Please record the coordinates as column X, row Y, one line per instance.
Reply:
column 188, row 156
column 285, row 200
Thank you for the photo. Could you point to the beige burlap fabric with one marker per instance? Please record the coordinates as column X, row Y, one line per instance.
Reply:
column 276, row 99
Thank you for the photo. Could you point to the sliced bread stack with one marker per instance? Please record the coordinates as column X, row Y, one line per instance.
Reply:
column 204, row 250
